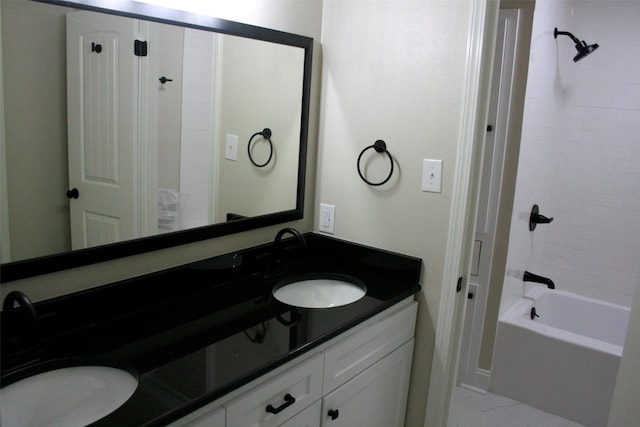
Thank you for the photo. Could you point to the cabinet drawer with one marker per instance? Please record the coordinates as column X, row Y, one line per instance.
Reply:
column 214, row 418
column 347, row 359
column 310, row 417
column 303, row 383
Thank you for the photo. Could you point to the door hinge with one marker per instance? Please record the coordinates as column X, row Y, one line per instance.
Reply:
column 459, row 284
column 140, row 48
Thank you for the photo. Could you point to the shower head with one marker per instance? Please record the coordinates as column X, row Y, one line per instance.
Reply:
column 581, row 46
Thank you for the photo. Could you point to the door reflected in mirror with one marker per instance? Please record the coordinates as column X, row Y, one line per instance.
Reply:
column 149, row 124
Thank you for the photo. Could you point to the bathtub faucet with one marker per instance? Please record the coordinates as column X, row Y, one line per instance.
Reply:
column 530, row 277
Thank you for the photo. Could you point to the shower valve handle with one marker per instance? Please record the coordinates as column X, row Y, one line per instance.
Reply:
column 541, row 219
column 535, row 218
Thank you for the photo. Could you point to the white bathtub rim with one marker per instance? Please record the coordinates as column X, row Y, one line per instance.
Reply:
column 519, row 316
column 538, row 291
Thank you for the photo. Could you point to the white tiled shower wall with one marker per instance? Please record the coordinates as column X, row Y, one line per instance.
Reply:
column 580, row 154
column 197, row 113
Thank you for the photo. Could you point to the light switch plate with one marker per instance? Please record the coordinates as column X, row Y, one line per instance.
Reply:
column 432, row 175
column 231, row 147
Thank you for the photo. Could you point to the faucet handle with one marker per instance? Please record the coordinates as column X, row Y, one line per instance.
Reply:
column 535, row 218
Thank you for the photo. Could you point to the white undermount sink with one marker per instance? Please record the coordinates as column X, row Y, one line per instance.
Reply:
column 66, row 396
column 315, row 291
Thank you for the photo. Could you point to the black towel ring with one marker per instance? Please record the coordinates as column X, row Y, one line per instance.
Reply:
column 381, row 147
column 266, row 134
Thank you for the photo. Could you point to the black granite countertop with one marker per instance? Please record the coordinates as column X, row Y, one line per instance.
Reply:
column 199, row 331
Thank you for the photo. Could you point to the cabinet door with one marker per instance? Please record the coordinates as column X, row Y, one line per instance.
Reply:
column 310, row 417
column 376, row 397
column 353, row 355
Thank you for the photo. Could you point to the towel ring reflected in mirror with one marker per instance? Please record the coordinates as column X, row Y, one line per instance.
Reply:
column 266, row 134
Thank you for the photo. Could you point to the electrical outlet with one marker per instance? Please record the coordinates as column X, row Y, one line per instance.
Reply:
column 327, row 218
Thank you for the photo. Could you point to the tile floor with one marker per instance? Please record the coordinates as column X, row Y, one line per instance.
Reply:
column 471, row 409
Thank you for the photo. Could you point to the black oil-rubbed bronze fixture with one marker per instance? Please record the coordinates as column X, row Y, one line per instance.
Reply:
column 381, row 147
column 581, row 46
column 535, row 218
column 266, row 134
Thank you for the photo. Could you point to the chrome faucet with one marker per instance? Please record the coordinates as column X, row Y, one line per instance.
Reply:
column 530, row 277
column 22, row 329
column 279, row 260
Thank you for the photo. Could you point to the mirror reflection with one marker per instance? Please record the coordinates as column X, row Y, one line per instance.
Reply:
column 119, row 128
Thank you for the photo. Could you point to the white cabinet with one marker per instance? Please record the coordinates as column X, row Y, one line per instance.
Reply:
column 359, row 379
column 310, row 417
column 214, row 418
column 376, row 397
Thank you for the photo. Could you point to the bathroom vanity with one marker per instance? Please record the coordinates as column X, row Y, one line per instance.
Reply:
column 212, row 346
column 360, row 379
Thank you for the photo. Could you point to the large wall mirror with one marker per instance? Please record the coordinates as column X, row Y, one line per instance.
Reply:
column 143, row 128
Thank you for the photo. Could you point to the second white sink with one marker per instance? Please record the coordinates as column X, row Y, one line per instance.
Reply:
column 68, row 396
column 320, row 292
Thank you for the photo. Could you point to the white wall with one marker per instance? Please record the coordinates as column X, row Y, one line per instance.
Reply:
column 35, row 127
column 580, row 154
column 394, row 70
column 250, row 90
column 197, row 128
column 170, row 41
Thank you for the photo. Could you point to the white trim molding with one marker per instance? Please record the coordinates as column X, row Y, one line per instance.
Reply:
column 483, row 19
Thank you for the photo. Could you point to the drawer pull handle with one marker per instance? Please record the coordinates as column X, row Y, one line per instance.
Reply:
column 288, row 401
column 333, row 413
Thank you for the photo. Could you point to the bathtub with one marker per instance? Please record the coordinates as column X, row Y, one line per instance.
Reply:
column 564, row 362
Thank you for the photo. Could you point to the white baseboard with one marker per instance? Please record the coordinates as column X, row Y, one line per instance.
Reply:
column 480, row 382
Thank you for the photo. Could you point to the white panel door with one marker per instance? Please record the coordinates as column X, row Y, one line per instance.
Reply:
column 102, row 89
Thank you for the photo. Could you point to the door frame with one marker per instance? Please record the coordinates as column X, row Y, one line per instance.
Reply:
column 147, row 135
column 5, row 248
column 470, row 374
column 461, row 229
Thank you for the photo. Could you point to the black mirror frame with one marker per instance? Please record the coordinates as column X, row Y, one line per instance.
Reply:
column 48, row 264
